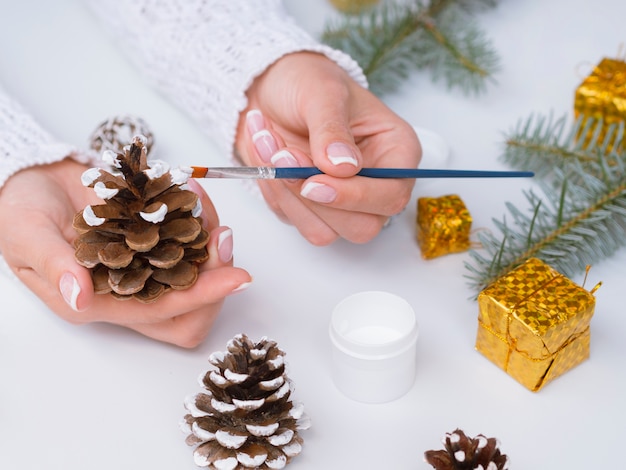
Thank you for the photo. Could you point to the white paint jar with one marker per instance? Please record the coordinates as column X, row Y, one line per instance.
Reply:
column 374, row 337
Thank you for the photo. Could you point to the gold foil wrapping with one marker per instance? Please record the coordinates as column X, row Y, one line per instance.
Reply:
column 534, row 323
column 443, row 226
column 602, row 95
column 353, row 6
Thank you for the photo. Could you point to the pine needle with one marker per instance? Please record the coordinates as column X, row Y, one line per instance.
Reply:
column 391, row 40
column 581, row 217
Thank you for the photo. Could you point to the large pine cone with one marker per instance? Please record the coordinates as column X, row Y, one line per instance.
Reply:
column 245, row 419
column 147, row 237
column 464, row 453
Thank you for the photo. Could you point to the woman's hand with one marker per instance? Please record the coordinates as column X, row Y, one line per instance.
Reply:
column 37, row 206
column 306, row 111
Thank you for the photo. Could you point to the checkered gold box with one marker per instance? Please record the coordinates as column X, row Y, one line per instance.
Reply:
column 534, row 323
column 443, row 226
column 602, row 96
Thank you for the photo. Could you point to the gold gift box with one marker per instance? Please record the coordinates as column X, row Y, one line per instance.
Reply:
column 602, row 95
column 534, row 323
column 443, row 226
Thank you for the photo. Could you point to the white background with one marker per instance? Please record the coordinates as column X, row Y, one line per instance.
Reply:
column 101, row 397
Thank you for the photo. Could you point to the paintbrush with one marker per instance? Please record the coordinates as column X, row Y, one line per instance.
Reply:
column 270, row 173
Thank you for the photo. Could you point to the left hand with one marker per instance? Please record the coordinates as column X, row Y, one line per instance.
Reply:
column 307, row 111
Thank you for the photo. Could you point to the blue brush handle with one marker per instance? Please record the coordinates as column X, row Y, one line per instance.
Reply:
column 306, row 172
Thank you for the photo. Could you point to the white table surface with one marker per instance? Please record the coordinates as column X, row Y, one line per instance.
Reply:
column 101, row 397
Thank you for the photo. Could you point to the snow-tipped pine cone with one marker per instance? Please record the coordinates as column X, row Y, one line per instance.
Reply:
column 465, row 453
column 147, row 236
column 245, row 418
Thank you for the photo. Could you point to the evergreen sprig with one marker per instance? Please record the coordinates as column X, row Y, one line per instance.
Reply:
column 581, row 218
column 391, row 40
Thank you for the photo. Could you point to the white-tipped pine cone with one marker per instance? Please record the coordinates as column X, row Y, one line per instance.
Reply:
column 147, row 236
column 117, row 131
column 464, row 453
column 245, row 419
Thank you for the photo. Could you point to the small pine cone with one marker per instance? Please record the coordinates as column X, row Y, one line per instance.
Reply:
column 245, row 418
column 147, row 237
column 464, row 453
column 116, row 132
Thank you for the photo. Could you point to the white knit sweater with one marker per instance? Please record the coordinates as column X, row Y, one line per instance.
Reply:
column 202, row 54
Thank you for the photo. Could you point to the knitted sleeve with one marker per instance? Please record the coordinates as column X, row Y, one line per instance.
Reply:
column 204, row 54
column 24, row 143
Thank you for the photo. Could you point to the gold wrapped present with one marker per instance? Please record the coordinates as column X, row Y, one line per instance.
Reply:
column 443, row 225
column 353, row 6
column 534, row 323
column 602, row 95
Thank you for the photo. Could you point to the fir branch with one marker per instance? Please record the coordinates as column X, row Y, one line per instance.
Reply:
column 541, row 144
column 391, row 40
column 579, row 225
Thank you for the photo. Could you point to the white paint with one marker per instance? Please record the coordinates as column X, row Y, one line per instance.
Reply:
column 110, row 158
column 156, row 216
column 201, row 433
column 292, row 449
column 197, row 210
column 157, row 169
column 249, row 405
column 222, row 407
column 234, row 377
column 103, row 192
column 89, row 176
column 262, row 431
column 190, row 405
column 181, row 174
column 277, row 463
column 230, row 441
column 92, row 219
column 217, row 379
column 251, row 461
column 281, row 439
column 229, row 463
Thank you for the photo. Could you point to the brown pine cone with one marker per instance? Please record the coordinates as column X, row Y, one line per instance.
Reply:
column 464, row 453
column 245, row 418
column 116, row 132
column 147, row 237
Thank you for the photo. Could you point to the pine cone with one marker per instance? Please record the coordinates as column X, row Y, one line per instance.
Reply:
column 116, row 132
column 147, row 237
column 464, row 453
column 245, row 419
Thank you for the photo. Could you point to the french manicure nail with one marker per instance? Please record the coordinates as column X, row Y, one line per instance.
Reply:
column 225, row 245
column 339, row 153
column 284, row 158
column 70, row 290
column 265, row 144
column 241, row 287
column 254, row 121
column 318, row 192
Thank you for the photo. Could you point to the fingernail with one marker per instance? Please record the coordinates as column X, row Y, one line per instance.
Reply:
column 70, row 290
column 318, row 192
column 241, row 287
column 254, row 121
column 284, row 158
column 339, row 153
column 225, row 245
column 265, row 144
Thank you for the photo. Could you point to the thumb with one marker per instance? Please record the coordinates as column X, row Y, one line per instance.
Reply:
column 330, row 137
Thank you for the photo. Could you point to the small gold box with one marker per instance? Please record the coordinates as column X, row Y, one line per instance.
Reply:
column 534, row 323
column 602, row 95
column 443, row 226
